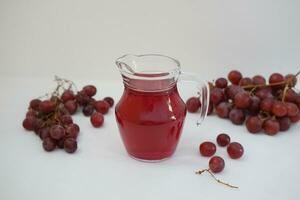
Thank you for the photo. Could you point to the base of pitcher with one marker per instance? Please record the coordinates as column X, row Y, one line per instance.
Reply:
column 151, row 158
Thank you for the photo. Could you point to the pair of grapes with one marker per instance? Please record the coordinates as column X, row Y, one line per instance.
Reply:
column 269, row 107
column 216, row 164
column 51, row 119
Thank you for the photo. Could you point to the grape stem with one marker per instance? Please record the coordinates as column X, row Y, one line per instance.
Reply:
column 219, row 181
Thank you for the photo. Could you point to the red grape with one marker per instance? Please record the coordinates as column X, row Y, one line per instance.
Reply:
column 97, row 119
column 254, row 105
column 47, row 106
column 101, row 106
column 264, row 93
column 44, row 133
column 49, row 144
column 245, row 81
column 72, row 131
column 242, row 100
column 207, row 149
column 109, row 100
column 71, row 106
column 28, row 123
column 66, row 119
column 279, row 109
column 223, row 109
column 292, row 109
column 193, row 104
column 221, row 83
column 57, row 132
column 235, row 150
column 284, row 123
column 297, row 101
column 89, row 90
column 34, row 104
column 295, row 118
column 271, row 126
column 276, row 78
column 223, row 139
column 290, row 95
column 254, row 124
column 234, row 77
column 67, row 95
column 216, row 164
column 217, row 96
column 88, row 110
column 292, row 79
column 70, row 145
column 258, row 80
column 237, row 116
column 266, row 104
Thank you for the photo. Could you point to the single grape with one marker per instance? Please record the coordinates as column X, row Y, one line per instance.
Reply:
column 28, row 123
column 284, row 123
column 254, row 105
column 292, row 80
column 234, row 77
column 71, row 106
column 67, row 95
column 237, row 116
column 70, row 145
column 266, row 104
column 254, row 124
column 279, row 109
column 276, row 78
column 221, row 83
column 109, row 100
column 47, row 106
column 235, row 150
column 295, row 118
column 89, row 90
column 223, row 139
column 207, row 149
column 101, row 106
column 49, row 144
column 31, row 113
column 66, row 119
column 72, row 131
column 44, row 133
column 57, row 132
column 223, row 109
column 292, row 109
column 34, row 104
column 271, row 127
column 88, row 110
column 290, row 95
column 97, row 119
column 216, row 164
column 242, row 100
column 232, row 90
column 38, row 124
column 245, row 81
column 217, row 96
column 258, row 80
column 193, row 104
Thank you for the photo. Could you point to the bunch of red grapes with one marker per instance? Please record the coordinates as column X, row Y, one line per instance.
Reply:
column 51, row 118
column 269, row 107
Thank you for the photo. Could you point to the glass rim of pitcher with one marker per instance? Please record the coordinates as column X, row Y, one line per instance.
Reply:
column 126, row 70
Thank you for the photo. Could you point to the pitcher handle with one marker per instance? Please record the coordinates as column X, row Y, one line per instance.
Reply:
column 202, row 91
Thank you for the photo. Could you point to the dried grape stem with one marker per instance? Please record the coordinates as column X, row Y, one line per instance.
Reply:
column 212, row 175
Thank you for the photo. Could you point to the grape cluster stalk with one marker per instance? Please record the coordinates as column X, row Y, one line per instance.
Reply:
column 50, row 116
column 268, row 107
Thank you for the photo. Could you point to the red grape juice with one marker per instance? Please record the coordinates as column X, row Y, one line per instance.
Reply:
column 150, row 123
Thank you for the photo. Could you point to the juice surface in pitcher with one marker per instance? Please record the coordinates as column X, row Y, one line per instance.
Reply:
column 150, row 123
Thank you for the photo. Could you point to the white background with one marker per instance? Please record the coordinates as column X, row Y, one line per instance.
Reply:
column 81, row 39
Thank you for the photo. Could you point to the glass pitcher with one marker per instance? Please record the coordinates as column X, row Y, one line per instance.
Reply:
column 150, row 114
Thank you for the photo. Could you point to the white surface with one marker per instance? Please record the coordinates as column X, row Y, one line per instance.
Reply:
column 101, row 169
column 81, row 39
